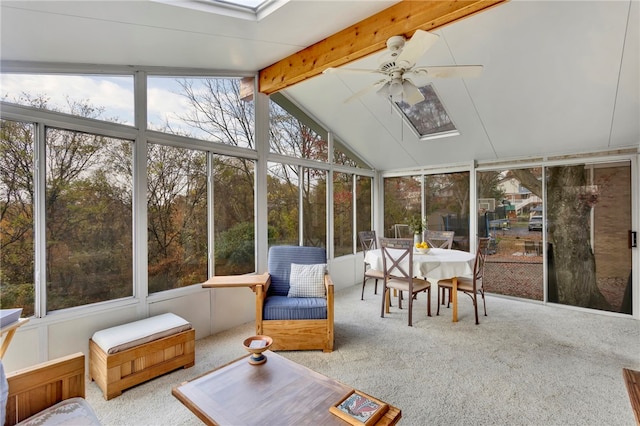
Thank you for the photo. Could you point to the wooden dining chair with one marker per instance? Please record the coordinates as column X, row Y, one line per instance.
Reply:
column 397, row 260
column 439, row 239
column 471, row 286
column 368, row 241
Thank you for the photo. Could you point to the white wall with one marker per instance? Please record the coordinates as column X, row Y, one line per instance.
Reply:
column 209, row 311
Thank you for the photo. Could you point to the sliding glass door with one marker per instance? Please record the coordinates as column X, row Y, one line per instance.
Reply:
column 588, row 221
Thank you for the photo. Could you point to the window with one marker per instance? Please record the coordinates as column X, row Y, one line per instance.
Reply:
column 200, row 172
column 363, row 205
column 233, row 215
column 314, row 207
column 344, row 156
column 447, row 205
column 88, row 218
column 295, row 134
column 204, row 108
column 507, row 215
column 177, row 217
column 98, row 96
column 283, row 204
column 428, row 118
column 254, row 10
column 402, row 202
column 342, row 213
column 16, row 216
column 588, row 218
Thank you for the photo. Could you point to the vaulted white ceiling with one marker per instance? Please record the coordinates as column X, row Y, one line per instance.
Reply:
column 558, row 78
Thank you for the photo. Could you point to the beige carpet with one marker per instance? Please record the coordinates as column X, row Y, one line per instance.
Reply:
column 525, row 364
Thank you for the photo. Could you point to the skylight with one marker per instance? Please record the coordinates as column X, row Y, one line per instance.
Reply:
column 253, row 10
column 252, row 5
column 428, row 118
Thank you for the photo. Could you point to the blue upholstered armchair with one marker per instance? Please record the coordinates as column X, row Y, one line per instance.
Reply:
column 295, row 306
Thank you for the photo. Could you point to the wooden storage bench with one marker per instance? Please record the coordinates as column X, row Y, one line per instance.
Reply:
column 126, row 355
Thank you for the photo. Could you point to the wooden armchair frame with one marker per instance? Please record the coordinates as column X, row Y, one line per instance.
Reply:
column 36, row 388
column 292, row 335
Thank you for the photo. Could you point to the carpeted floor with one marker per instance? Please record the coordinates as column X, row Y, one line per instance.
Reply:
column 525, row 364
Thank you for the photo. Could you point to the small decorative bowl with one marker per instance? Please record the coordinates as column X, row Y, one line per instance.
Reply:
column 422, row 250
column 256, row 345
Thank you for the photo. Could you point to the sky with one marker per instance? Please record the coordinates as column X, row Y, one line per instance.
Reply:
column 113, row 93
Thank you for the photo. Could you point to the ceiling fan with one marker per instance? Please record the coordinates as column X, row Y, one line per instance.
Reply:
column 397, row 65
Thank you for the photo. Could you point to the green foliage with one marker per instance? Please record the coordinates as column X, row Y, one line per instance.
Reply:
column 22, row 295
column 416, row 224
column 235, row 248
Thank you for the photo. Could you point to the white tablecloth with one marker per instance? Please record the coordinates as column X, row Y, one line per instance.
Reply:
column 437, row 264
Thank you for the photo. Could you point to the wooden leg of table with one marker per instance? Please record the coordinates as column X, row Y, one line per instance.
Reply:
column 387, row 300
column 454, row 299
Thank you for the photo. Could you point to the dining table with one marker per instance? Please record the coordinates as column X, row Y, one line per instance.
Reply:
column 435, row 265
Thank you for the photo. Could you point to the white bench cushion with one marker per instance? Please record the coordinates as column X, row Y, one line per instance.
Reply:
column 125, row 336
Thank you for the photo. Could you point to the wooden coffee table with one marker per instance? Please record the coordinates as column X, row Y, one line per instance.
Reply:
column 279, row 392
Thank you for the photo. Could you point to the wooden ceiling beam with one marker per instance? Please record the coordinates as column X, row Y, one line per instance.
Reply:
column 366, row 37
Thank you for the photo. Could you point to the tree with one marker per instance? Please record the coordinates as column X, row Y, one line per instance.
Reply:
column 87, row 215
column 176, row 216
column 216, row 112
column 569, row 203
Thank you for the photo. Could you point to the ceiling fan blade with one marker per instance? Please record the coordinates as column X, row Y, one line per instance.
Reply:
column 350, row 71
column 366, row 90
column 415, row 48
column 453, row 71
column 410, row 93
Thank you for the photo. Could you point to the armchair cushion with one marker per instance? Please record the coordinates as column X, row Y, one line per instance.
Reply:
column 294, row 308
column 307, row 280
column 280, row 260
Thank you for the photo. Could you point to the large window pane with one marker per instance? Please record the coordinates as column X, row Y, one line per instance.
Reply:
column 177, row 217
column 233, row 217
column 344, row 156
column 205, row 108
column 98, row 96
column 363, row 205
column 293, row 133
column 342, row 213
column 88, row 218
column 314, row 207
column 509, row 205
column 402, row 197
column 588, row 220
column 16, row 216
column 447, row 205
column 283, row 204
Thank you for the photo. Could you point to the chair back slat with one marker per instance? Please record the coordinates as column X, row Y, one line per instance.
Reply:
column 440, row 239
column 401, row 230
column 368, row 240
column 394, row 253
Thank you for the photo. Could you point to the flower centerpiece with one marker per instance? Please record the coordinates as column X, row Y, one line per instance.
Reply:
column 417, row 225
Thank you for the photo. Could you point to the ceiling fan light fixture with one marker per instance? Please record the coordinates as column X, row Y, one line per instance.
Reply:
column 395, row 88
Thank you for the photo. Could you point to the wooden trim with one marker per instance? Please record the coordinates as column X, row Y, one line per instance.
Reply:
column 632, row 381
column 366, row 37
column 33, row 389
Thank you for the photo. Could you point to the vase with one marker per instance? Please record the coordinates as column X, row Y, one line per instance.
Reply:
column 417, row 238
